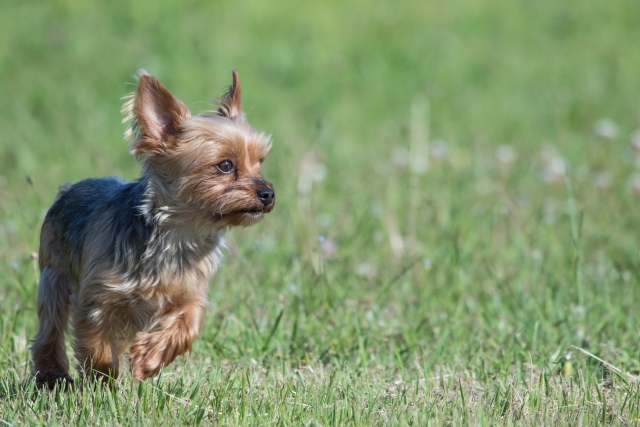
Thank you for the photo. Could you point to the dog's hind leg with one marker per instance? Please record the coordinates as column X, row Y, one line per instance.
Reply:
column 51, row 365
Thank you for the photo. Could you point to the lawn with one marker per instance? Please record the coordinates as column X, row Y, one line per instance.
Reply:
column 455, row 239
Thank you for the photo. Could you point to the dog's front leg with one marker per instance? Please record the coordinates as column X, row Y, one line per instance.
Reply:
column 178, row 326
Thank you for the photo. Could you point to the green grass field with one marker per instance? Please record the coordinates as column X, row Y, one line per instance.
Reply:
column 457, row 219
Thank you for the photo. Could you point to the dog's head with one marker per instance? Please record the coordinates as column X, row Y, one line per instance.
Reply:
column 207, row 165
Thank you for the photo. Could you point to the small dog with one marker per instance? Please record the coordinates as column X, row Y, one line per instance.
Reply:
column 130, row 262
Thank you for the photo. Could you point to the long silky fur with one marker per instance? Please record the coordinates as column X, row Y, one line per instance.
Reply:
column 129, row 262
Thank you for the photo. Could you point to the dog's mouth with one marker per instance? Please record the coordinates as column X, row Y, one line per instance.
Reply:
column 251, row 213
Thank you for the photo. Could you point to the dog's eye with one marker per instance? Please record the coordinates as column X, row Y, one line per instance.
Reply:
column 225, row 166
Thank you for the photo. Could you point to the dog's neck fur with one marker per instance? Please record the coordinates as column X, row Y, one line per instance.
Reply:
column 180, row 245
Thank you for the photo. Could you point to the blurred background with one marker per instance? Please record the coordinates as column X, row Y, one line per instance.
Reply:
column 456, row 172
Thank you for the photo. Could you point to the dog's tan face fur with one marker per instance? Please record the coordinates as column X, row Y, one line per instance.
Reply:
column 222, row 170
column 212, row 161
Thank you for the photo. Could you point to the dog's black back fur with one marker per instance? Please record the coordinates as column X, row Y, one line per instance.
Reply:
column 111, row 201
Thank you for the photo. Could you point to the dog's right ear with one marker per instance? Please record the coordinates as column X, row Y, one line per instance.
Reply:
column 229, row 105
column 156, row 116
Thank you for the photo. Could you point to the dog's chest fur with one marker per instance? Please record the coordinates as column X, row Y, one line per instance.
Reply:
column 118, row 241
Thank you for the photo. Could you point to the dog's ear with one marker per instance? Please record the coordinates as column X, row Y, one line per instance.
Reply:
column 229, row 105
column 158, row 115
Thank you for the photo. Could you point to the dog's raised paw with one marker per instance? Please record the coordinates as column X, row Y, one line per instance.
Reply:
column 145, row 359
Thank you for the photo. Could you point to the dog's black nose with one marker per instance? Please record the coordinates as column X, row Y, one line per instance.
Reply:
column 266, row 195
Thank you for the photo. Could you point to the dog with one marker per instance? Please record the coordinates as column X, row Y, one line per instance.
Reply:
column 130, row 262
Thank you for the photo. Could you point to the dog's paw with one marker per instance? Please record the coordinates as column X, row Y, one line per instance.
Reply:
column 52, row 379
column 145, row 356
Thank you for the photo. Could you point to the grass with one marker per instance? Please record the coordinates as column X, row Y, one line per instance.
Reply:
column 450, row 232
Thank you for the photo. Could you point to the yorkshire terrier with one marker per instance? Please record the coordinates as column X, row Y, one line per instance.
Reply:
column 130, row 262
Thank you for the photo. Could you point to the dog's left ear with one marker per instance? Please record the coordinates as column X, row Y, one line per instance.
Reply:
column 158, row 114
column 229, row 105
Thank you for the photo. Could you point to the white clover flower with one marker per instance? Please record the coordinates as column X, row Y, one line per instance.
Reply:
column 505, row 155
column 635, row 141
column 311, row 170
column 366, row 269
column 606, row 129
column 603, row 179
column 329, row 248
column 439, row 150
column 555, row 171
column 547, row 154
column 634, row 183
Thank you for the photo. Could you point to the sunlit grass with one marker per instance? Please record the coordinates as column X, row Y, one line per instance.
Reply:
column 457, row 193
